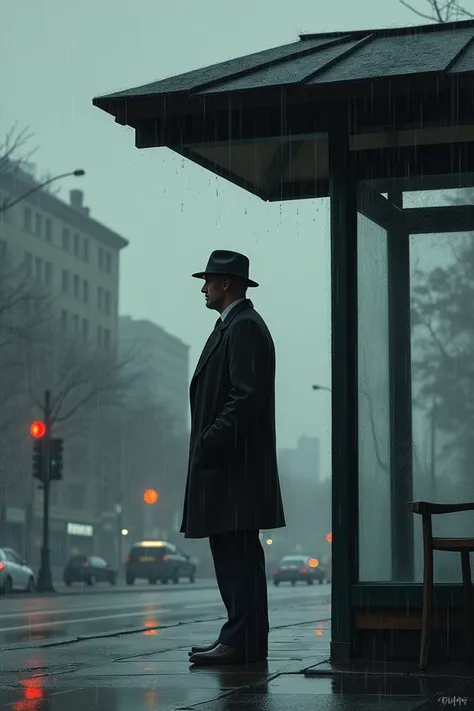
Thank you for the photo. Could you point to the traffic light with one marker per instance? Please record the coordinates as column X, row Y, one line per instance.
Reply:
column 56, row 461
column 39, row 459
column 38, row 429
column 150, row 496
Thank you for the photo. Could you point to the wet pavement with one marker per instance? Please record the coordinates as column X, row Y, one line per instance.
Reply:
column 148, row 669
column 34, row 618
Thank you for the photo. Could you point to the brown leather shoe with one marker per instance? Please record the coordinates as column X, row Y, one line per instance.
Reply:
column 205, row 648
column 222, row 654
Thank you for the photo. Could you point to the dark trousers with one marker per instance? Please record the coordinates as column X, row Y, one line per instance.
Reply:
column 239, row 563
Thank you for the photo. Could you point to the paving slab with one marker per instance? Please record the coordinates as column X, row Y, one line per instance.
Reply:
column 150, row 671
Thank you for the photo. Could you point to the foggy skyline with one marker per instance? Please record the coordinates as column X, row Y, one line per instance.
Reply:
column 173, row 212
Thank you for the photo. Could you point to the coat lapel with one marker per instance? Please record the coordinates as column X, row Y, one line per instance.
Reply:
column 210, row 346
column 216, row 335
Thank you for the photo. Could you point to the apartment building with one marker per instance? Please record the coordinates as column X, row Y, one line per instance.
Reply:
column 78, row 259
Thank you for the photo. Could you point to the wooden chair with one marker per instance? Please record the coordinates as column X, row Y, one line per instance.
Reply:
column 457, row 545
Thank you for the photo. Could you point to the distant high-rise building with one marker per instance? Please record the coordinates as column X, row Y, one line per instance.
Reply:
column 302, row 462
column 165, row 358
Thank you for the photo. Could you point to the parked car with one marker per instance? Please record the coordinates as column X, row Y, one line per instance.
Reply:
column 15, row 573
column 90, row 570
column 295, row 568
column 158, row 560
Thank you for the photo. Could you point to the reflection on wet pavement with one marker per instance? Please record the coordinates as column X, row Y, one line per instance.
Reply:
column 149, row 671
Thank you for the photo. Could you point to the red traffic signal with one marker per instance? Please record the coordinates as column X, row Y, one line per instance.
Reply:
column 38, row 429
column 329, row 537
column 150, row 496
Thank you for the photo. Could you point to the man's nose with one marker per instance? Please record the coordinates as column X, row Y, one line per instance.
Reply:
column 204, row 289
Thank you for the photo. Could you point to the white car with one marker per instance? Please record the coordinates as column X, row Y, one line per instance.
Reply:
column 14, row 573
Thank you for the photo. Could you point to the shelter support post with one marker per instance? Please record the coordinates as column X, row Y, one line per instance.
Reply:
column 401, row 461
column 343, row 198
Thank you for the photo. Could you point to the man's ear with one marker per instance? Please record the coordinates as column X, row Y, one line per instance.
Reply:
column 226, row 284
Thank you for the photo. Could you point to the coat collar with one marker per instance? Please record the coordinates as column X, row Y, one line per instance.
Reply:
column 215, row 337
column 238, row 308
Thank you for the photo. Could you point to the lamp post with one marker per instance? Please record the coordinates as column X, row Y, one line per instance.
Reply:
column 381, row 463
column 11, row 203
column 45, row 578
column 118, row 511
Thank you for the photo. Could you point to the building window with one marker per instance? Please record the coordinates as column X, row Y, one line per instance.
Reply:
column 85, row 291
column 99, row 336
column 101, row 259
column 85, row 329
column 27, row 219
column 107, row 302
column 38, row 225
column 66, row 240
column 76, row 286
column 76, row 245
column 106, row 339
column 64, row 321
column 48, row 229
column 48, row 274
column 100, row 296
column 75, row 325
column 108, row 262
column 85, row 249
column 28, row 263
column 38, row 269
column 66, row 282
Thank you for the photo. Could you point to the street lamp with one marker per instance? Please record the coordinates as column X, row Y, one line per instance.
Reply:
column 73, row 174
column 321, row 387
column 378, row 456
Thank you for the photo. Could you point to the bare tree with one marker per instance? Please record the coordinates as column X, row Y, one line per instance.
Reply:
column 438, row 10
column 15, row 161
column 81, row 380
column 14, row 150
column 24, row 317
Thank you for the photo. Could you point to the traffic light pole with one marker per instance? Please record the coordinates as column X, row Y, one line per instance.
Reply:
column 45, row 579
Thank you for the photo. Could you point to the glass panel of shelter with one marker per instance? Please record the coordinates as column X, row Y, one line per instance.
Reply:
column 440, row 386
column 442, row 294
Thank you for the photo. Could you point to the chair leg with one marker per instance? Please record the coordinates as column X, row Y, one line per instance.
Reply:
column 427, row 608
column 467, row 594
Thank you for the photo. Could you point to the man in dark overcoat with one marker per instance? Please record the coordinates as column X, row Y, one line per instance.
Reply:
column 232, row 488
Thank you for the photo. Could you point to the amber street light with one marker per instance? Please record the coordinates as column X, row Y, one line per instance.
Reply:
column 74, row 174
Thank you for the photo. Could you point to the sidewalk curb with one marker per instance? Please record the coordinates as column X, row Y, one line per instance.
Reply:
column 206, row 583
column 141, row 630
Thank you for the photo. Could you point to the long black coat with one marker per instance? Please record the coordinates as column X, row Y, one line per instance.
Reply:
column 233, row 479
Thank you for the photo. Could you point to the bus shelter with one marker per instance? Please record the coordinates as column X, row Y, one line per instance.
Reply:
column 368, row 119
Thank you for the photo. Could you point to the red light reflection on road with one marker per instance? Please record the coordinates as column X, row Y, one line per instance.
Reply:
column 151, row 699
column 151, row 624
column 33, row 693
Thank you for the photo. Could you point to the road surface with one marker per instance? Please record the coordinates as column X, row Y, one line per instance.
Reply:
column 33, row 618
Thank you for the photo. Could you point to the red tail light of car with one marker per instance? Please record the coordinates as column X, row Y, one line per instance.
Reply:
column 303, row 570
column 127, row 559
column 277, row 570
column 165, row 557
column 2, row 566
column 86, row 564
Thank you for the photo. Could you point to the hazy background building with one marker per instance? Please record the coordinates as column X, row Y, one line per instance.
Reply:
column 166, row 358
column 74, row 261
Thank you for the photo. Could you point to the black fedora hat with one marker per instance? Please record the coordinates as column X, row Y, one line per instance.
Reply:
column 227, row 263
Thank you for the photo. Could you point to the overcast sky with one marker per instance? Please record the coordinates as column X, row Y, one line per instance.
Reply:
column 61, row 53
